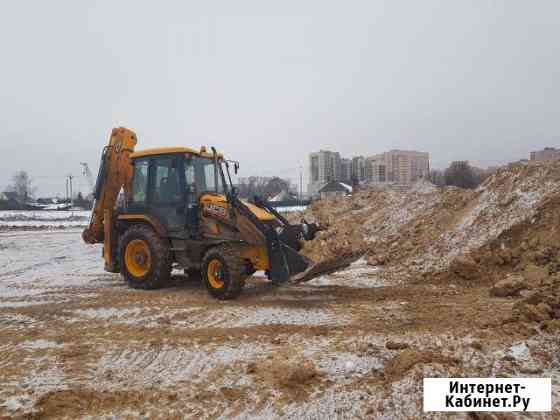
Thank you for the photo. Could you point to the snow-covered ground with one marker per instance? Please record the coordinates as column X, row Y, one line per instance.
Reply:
column 43, row 219
column 41, row 267
column 76, row 342
column 30, row 219
column 290, row 209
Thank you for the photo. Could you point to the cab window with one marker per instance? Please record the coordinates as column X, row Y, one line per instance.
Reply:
column 166, row 180
column 140, row 182
column 205, row 175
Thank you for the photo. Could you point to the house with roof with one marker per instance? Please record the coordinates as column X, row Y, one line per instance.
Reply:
column 335, row 189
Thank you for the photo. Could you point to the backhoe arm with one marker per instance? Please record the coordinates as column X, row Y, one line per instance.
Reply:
column 115, row 172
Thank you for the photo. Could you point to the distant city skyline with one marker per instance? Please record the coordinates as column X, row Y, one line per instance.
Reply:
column 46, row 185
column 394, row 166
column 268, row 84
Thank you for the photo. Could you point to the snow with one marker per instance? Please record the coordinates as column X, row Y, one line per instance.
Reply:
column 334, row 404
column 169, row 365
column 423, row 186
column 337, row 365
column 290, row 209
column 40, row 219
column 520, row 351
column 41, row 344
column 23, row 403
column 348, row 187
column 107, row 313
column 46, row 267
column 45, row 380
column 358, row 275
column 236, row 317
column 18, row 320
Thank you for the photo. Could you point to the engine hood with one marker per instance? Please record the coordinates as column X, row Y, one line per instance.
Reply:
column 216, row 204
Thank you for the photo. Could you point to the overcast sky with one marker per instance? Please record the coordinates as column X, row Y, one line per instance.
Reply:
column 268, row 82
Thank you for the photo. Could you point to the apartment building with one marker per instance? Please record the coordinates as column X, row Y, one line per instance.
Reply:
column 376, row 169
column 406, row 166
column 359, row 168
column 401, row 167
column 324, row 166
column 548, row 153
column 346, row 170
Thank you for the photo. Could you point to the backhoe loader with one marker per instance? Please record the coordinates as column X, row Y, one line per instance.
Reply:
column 180, row 210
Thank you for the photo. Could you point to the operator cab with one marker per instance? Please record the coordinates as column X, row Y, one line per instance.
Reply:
column 167, row 184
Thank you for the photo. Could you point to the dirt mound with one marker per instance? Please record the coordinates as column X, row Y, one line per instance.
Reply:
column 508, row 223
column 76, row 402
column 292, row 376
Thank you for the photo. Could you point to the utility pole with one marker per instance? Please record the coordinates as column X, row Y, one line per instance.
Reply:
column 300, row 185
column 70, row 177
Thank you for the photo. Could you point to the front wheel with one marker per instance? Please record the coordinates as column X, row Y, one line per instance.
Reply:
column 144, row 258
column 223, row 272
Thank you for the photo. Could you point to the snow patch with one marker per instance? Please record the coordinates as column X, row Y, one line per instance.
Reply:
column 107, row 313
column 167, row 366
column 41, row 344
column 21, row 403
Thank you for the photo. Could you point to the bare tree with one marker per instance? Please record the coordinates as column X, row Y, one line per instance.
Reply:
column 264, row 187
column 437, row 177
column 461, row 174
column 275, row 186
column 22, row 186
column 251, row 186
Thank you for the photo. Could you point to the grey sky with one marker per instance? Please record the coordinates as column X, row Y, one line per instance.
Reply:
column 269, row 82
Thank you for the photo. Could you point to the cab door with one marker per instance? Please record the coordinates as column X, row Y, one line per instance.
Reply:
column 167, row 193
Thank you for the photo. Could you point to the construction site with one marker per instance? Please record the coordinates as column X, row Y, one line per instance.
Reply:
column 427, row 282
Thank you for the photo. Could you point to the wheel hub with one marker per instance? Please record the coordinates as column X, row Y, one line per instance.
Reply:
column 138, row 258
column 216, row 274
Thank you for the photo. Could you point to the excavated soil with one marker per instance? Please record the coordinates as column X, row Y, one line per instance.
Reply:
column 450, row 283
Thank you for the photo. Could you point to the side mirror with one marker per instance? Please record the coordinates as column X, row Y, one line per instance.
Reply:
column 236, row 167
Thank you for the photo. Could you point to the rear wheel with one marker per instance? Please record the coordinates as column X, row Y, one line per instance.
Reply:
column 144, row 258
column 223, row 271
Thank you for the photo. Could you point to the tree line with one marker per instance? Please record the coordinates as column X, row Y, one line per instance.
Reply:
column 264, row 187
column 459, row 174
column 21, row 191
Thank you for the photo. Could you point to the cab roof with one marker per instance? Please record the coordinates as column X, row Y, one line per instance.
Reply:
column 170, row 150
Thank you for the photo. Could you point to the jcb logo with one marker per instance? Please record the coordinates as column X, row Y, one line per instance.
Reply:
column 215, row 210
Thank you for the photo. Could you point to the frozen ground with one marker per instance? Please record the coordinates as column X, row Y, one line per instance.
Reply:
column 34, row 219
column 12, row 219
column 76, row 342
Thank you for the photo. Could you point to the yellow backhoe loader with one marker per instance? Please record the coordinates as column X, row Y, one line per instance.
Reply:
column 180, row 210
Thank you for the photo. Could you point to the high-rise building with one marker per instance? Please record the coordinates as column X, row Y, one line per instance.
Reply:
column 324, row 166
column 396, row 166
column 346, row 170
column 548, row 153
column 405, row 166
column 376, row 168
column 359, row 168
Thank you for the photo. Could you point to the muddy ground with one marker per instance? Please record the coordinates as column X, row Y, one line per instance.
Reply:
column 76, row 342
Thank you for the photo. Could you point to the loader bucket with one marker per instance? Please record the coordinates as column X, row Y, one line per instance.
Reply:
column 286, row 262
column 328, row 266
column 287, row 265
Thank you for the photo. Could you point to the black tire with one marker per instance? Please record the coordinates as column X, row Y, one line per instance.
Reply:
column 158, row 271
column 233, row 273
